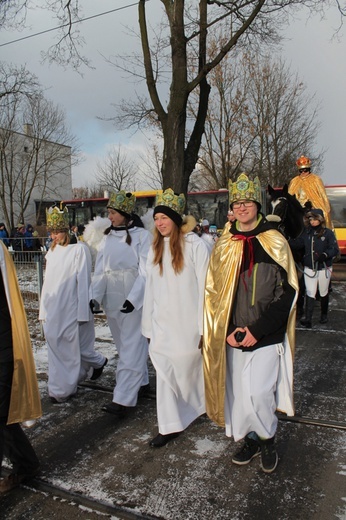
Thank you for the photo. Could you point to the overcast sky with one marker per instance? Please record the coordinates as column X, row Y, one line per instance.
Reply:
column 319, row 61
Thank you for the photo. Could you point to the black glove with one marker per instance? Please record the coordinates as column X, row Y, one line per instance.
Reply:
column 321, row 258
column 127, row 307
column 94, row 307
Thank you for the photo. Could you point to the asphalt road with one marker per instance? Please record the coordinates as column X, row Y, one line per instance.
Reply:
column 96, row 467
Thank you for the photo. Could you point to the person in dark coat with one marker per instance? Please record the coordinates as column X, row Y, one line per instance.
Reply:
column 19, row 395
column 4, row 234
column 320, row 247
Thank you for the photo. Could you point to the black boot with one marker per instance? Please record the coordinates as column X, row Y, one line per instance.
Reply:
column 324, row 308
column 306, row 320
column 269, row 456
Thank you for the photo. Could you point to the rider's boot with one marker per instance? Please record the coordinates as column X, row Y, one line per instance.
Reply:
column 324, row 308
column 306, row 320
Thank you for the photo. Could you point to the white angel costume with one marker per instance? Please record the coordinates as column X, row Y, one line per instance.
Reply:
column 120, row 273
column 172, row 319
column 67, row 319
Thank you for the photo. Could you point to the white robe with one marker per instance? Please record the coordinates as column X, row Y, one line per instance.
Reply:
column 172, row 319
column 120, row 274
column 64, row 307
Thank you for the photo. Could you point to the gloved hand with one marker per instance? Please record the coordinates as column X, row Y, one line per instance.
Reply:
column 94, row 307
column 127, row 307
column 321, row 258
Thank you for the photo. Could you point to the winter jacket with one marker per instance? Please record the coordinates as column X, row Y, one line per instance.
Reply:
column 264, row 297
column 319, row 251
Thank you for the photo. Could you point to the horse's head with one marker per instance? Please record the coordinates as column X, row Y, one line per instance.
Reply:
column 288, row 208
column 278, row 201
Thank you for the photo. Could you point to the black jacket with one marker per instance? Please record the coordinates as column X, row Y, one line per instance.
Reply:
column 264, row 296
column 319, row 251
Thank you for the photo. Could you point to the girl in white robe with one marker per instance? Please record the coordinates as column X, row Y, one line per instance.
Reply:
column 118, row 285
column 173, row 315
column 64, row 308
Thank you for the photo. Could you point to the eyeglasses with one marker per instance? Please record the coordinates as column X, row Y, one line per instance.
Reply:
column 305, row 170
column 246, row 204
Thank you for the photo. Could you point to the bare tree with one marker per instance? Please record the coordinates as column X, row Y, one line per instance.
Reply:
column 150, row 166
column 16, row 81
column 189, row 26
column 259, row 120
column 254, row 22
column 35, row 163
column 117, row 171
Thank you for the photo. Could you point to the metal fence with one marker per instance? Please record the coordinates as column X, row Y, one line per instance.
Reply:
column 29, row 267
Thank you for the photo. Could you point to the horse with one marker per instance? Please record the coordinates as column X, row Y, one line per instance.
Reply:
column 289, row 210
column 291, row 224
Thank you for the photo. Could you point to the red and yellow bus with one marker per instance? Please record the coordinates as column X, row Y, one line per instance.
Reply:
column 211, row 205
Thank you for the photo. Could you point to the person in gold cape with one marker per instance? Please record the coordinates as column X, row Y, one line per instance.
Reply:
column 308, row 186
column 20, row 399
column 251, row 290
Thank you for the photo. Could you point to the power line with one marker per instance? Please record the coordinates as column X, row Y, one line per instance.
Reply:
column 67, row 24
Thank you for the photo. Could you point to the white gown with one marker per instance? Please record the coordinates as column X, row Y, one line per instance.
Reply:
column 64, row 308
column 172, row 319
column 120, row 274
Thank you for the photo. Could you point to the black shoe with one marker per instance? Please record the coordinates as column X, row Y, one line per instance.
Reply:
column 249, row 450
column 269, row 456
column 324, row 318
column 161, row 440
column 144, row 391
column 97, row 372
column 305, row 322
column 116, row 409
column 15, row 479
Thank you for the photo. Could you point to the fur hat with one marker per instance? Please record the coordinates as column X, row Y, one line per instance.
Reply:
column 316, row 213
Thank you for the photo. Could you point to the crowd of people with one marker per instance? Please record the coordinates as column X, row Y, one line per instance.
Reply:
column 172, row 295
column 23, row 241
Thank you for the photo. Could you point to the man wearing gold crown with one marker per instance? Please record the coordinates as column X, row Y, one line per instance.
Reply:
column 19, row 395
column 118, row 285
column 64, row 310
column 249, row 328
column 309, row 187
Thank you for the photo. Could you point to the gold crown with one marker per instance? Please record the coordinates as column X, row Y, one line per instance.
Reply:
column 244, row 189
column 303, row 162
column 171, row 200
column 122, row 201
column 57, row 219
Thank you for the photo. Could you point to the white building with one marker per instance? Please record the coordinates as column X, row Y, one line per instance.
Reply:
column 31, row 169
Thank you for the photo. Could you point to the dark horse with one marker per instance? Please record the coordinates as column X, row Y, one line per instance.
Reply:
column 290, row 211
column 291, row 224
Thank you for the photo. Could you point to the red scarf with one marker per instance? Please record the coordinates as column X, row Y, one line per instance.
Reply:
column 247, row 246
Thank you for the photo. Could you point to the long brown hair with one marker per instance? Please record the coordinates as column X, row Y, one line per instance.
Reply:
column 176, row 244
column 63, row 242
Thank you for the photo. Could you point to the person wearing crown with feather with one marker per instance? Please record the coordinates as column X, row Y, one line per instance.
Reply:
column 64, row 310
column 118, row 285
column 173, row 316
column 249, row 328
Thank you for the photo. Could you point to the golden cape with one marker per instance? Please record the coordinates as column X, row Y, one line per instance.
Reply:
column 221, row 285
column 311, row 188
column 25, row 402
